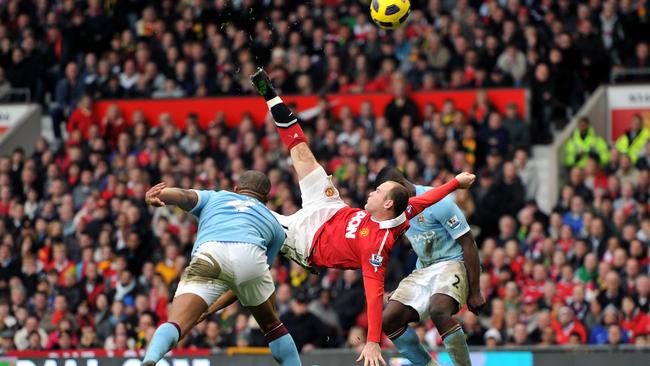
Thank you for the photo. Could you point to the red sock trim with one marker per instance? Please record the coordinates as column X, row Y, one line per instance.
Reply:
column 275, row 333
column 292, row 135
column 452, row 330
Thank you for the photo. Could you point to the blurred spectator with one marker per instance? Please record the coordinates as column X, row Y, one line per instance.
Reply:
column 5, row 86
column 69, row 92
column 584, row 143
column 633, row 141
column 305, row 328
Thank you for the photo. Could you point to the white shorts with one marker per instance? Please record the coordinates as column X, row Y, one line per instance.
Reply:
column 447, row 278
column 320, row 201
column 217, row 267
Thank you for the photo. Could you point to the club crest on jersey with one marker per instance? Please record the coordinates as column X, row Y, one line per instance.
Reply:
column 364, row 232
column 453, row 222
column 420, row 219
column 329, row 191
column 376, row 260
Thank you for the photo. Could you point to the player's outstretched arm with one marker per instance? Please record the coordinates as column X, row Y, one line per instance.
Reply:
column 159, row 196
column 419, row 203
column 475, row 301
column 222, row 302
column 373, row 283
column 287, row 125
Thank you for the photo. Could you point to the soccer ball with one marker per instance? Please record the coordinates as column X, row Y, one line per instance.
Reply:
column 389, row 14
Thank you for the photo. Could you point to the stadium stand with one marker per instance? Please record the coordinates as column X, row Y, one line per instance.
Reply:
column 84, row 264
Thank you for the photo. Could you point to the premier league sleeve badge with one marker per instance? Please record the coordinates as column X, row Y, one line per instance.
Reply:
column 376, row 260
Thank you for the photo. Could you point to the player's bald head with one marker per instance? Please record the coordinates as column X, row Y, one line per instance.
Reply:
column 254, row 183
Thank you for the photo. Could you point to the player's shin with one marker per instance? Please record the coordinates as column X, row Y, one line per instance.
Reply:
column 456, row 345
column 408, row 344
column 164, row 339
column 282, row 346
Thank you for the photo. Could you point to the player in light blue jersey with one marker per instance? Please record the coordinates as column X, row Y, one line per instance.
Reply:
column 237, row 240
column 446, row 277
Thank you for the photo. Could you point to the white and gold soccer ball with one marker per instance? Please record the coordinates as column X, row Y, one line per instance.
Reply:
column 390, row 14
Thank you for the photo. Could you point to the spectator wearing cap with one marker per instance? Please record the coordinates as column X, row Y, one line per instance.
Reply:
column 584, row 143
column 492, row 338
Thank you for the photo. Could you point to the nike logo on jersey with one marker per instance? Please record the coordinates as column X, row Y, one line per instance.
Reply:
column 353, row 225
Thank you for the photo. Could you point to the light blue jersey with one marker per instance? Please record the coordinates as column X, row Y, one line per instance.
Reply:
column 234, row 218
column 433, row 232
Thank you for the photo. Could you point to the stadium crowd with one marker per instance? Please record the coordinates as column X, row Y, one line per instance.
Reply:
column 84, row 264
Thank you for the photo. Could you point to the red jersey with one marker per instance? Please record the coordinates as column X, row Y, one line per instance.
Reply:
column 351, row 239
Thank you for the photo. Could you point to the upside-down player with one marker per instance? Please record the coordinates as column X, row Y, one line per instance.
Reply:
column 446, row 277
column 238, row 237
column 327, row 233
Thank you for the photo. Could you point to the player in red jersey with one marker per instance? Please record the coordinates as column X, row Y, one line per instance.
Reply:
column 327, row 233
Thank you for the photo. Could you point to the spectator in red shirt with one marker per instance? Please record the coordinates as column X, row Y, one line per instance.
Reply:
column 566, row 324
column 82, row 117
column 60, row 263
column 634, row 321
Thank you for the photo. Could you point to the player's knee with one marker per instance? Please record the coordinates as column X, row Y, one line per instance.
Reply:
column 390, row 323
column 441, row 308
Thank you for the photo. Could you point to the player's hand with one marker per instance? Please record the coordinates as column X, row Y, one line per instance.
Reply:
column 371, row 355
column 465, row 179
column 202, row 317
column 152, row 196
column 475, row 302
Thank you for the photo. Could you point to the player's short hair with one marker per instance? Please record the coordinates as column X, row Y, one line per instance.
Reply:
column 389, row 173
column 255, row 182
column 400, row 196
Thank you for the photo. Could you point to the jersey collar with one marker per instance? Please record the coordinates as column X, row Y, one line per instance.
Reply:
column 389, row 224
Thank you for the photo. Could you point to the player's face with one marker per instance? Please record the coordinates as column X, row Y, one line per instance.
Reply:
column 377, row 198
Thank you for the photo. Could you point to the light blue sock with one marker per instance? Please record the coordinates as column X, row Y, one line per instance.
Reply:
column 408, row 344
column 164, row 339
column 284, row 351
column 456, row 345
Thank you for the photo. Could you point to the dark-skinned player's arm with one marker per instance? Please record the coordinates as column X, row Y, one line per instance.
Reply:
column 225, row 300
column 475, row 300
column 159, row 196
column 419, row 203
